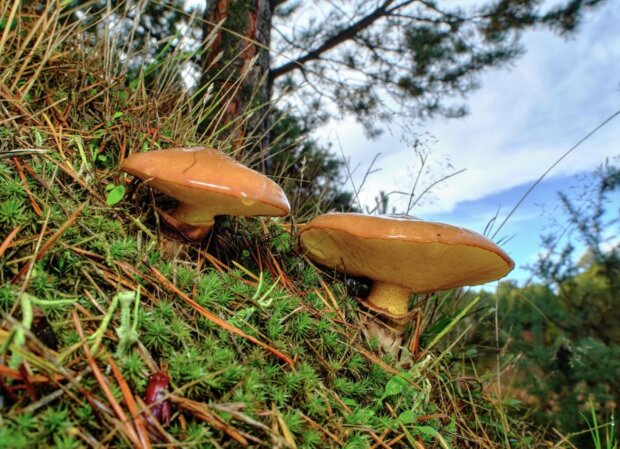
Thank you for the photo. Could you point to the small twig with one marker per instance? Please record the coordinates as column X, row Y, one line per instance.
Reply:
column 9, row 238
column 20, row 172
column 102, row 381
column 138, row 420
column 430, row 186
column 202, row 411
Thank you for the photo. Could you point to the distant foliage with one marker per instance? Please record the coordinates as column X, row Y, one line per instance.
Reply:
column 567, row 326
column 370, row 58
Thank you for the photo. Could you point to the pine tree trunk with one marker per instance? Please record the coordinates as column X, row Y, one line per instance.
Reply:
column 241, row 71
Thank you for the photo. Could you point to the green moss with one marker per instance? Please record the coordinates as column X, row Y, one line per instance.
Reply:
column 13, row 213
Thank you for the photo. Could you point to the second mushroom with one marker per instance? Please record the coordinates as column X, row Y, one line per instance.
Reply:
column 402, row 255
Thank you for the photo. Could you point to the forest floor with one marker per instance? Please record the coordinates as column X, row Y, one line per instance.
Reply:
column 115, row 335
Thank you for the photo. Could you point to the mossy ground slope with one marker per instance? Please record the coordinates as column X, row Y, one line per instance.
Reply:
column 261, row 348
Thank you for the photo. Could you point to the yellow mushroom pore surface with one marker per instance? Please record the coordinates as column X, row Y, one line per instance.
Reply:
column 422, row 267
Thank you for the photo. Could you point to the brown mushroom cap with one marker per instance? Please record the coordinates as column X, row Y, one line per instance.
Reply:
column 403, row 254
column 207, row 182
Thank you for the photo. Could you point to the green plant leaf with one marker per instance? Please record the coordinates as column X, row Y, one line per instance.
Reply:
column 407, row 417
column 115, row 195
column 363, row 416
column 395, row 386
column 133, row 85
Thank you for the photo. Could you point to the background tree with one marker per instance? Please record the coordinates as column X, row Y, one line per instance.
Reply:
column 360, row 57
column 237, row 62
column 323, row 58
column 370, row 58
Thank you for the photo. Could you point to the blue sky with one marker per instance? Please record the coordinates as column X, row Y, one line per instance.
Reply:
column 521, row 120
column 540, row 214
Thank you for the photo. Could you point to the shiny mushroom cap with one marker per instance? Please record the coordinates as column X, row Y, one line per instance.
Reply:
column 206, row 183
column 403, row 255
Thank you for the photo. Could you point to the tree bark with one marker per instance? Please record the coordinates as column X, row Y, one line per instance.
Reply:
column 240, row 73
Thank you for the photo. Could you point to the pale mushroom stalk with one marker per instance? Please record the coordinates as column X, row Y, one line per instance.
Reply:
column 181, row 217
column 187, row 212
column 389, row 334
column 391, row 303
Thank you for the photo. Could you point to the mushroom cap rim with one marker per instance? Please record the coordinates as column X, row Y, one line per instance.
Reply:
column 497, row 261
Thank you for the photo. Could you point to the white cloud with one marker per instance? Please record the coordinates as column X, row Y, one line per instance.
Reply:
column 520, row 122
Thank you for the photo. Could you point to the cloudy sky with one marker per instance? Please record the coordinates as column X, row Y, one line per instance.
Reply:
column 521, row 120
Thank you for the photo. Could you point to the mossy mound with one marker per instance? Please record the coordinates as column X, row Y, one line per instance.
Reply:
column 260, row 348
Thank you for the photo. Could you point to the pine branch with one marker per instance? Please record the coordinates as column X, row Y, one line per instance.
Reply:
column 334, row 41
column 273, row 4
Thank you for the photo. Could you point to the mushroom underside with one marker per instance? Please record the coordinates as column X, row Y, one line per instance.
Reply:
column 194, row 217
column 192, row 232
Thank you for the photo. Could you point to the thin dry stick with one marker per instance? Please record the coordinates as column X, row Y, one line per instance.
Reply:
column 33, row 202
column 8, row 240
column 49, row 243
column 423, row 158
column 10, row 373
column 563, row 440
column 7, row 29
column 201, row 411
column 433, row 184
column 138, row 420
column 369, row 171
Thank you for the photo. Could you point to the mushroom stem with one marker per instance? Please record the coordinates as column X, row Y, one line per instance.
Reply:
column 390, row 298
column 187, row 213
column 194, row 231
